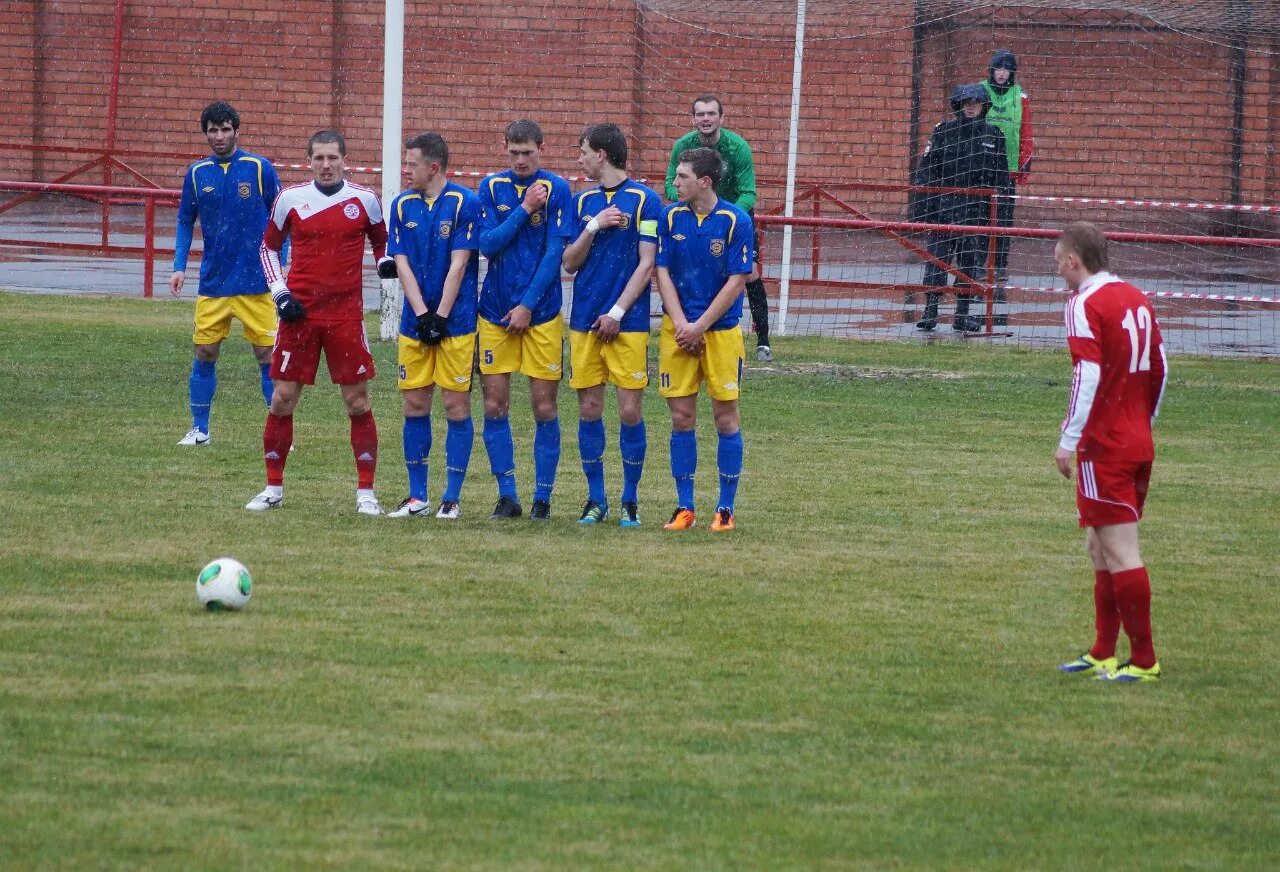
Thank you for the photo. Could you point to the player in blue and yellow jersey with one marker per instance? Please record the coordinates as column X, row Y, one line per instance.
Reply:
column 704, row 257
column 526, row 220
column 231, row 192
column 612, row 259
column 435, row 241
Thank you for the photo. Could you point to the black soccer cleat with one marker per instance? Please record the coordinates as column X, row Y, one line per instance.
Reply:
column 540, row 511
column 507, row 508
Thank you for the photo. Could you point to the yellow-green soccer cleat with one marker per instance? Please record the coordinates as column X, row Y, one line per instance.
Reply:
column 1087, row 664
column 1130, row 673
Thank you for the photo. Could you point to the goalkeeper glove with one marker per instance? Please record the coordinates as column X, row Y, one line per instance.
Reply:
column 287, row 307
column 431, row 328
column 387, row 268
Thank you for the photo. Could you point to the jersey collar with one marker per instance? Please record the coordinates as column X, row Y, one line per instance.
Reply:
column 1097, row 280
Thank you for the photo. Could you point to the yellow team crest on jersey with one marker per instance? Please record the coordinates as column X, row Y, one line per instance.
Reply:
column 717, row 247
column 625, row 222
column 535, row 219
column 446, row 227
column 244, row 190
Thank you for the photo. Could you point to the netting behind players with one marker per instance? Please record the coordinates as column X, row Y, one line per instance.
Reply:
column 1174, row 105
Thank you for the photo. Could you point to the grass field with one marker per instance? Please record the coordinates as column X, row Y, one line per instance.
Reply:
column 861, row 677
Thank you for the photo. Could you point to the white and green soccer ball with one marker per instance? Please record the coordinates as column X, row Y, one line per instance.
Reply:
column 224, row 584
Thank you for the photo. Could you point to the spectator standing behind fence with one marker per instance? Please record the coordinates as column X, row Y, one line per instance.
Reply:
column 231, row 193
column 737, row 185
column 1011, row 112
column 963, row 152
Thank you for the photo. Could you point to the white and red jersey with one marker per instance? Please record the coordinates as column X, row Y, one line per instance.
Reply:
column 1120, row 372
column 328, row 233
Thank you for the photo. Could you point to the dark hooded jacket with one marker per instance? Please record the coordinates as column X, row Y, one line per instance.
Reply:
column 962, row 153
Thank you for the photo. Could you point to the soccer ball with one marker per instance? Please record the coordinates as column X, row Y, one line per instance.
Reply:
column 224, row 584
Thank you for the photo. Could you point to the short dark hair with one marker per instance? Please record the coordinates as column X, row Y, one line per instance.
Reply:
column 324, row 137
column 608, row 138
column 705, row 163
column 706, row 98
column 1088, row 243
column 524, row 130
column 219, row 112
column 432, row 146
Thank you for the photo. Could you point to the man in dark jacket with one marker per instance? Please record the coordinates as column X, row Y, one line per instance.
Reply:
column 964, row 152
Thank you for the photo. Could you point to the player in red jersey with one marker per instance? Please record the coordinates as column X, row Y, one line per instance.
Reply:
column 322, row 308
column 1120, row 372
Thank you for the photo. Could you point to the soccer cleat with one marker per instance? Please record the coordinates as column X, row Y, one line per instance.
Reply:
column 410, row 508
column 540, row 511
column 592, row 513
column 966, row 324
column 926, row 324
column 1127, row 672
column 630, row 516
column 507, row 507
column 195, row 436
column 448, row 510
column 367, row 504
column 764, row 354
column 723, row 521
column 265, row 500
column 1087, row 663
column 681, row 519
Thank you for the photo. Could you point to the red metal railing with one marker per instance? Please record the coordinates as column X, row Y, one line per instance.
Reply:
column 149, row 197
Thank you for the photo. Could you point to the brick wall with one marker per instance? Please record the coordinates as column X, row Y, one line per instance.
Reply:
column 1121, row 108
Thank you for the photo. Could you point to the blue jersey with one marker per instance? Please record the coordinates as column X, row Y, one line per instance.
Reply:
column 232, row 199
column 519, row 241
column 614, row 253
column 428, row 232
column 701, row 252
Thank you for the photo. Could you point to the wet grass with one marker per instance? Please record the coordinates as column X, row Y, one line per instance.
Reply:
column 860, row 677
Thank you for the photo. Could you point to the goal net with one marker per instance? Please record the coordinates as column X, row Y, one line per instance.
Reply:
column 1157, row 121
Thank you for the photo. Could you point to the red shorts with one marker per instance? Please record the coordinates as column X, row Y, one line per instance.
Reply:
column 296, row 356
column 1111, row 493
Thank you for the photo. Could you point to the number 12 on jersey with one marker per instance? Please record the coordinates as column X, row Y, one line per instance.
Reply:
column 1139, row 330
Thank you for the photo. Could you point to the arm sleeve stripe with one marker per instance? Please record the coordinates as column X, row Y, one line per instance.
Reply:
column 1084, row 387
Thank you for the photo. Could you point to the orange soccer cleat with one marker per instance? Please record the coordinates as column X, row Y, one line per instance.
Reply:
column 681, row 519
column 723, row 522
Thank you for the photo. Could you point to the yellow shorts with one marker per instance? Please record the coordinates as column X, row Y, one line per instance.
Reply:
column 538, row 352
column 256, row 312
column 623, row 362
column 447, row 364
column 720, row 363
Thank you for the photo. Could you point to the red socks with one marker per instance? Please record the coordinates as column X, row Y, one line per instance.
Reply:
column 364, row 445
column 1133, row 597
column 1106, row 616
column 277, row 436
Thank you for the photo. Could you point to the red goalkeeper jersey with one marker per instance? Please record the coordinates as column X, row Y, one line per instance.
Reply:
column 1120, row 372
column 328, row 233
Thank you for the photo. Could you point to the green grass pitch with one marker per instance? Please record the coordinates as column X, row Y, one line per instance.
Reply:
column 861, row 677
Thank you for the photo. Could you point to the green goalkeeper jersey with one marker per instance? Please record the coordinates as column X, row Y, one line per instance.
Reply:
column 738, row 185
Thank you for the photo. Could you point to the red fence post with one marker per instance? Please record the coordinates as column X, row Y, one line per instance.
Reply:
column 149, row 247
column 815, row 239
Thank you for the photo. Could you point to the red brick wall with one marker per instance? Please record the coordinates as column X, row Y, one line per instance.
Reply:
column 1120, row 109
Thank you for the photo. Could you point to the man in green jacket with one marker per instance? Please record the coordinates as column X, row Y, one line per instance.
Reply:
column 737, row 185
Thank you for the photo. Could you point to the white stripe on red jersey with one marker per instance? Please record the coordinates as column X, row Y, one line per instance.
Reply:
column 328, row 233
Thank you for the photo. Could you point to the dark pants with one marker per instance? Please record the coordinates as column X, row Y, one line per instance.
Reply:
column 1004, row 218
column 756, row 300
column 969, row 254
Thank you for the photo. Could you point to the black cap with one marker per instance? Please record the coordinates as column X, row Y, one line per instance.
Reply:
column 964, row 93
